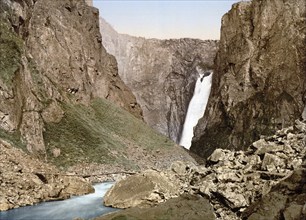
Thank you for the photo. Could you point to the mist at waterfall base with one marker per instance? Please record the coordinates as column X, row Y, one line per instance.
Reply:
column 196, row 107
column 85, row 207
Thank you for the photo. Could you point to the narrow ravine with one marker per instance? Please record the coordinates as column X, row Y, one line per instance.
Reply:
column 196, row 107
column 85, row 207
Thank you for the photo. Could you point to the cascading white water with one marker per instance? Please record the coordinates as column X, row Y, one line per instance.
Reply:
column 196, row 107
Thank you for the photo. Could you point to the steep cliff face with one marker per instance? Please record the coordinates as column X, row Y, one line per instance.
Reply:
column 51, row 53
column 260, row 77
column 61, row 97
column 160, row 73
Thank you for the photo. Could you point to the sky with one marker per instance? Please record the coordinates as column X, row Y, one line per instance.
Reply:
column 164, row 19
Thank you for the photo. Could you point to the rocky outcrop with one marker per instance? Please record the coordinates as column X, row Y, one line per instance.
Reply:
column 51, row 53
column 234, row 180
column 160, row 73
column 259, row 80
column 286, row 200
column 89, row 2
column 25, row 180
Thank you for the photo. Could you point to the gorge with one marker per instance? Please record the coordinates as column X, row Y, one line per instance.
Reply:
column 160, row 73
column 82, row 104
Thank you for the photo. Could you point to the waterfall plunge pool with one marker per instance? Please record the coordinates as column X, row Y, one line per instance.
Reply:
column 85, row 207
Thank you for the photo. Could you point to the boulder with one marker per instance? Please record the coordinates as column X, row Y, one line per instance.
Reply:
column 272, row 162
column 231, row 195
column 217, row 156
column 286, row 200
column 142, row 190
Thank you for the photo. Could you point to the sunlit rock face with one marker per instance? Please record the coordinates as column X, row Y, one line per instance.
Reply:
column 89, row 2
column 51, row 53
column 161, row 74
column 260, row 77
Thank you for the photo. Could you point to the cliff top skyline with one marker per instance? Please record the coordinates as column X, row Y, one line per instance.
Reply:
column 165, row 19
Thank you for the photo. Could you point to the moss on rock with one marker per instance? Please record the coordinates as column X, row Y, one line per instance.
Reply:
column 94, row 133
column 11, row 47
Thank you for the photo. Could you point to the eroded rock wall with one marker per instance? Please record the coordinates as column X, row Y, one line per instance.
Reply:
column 51, row 52
column 160, row 73
column 260, row 77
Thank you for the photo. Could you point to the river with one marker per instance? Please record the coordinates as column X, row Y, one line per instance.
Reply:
column 85, row 207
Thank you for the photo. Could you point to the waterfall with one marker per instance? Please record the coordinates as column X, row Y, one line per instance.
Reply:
column 196, row 107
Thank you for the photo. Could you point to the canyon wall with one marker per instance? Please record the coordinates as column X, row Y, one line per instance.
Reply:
column 61, row 98
column 160, row 73
column 51, row 53
column 260, row 76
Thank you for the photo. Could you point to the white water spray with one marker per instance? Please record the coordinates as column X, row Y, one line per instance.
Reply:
column 196, row 107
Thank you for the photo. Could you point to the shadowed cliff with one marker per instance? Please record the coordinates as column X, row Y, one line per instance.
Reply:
column 259, row 80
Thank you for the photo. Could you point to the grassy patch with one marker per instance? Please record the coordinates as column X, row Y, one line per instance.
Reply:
column 11, row 46
column 91, row 134
column 13, row 138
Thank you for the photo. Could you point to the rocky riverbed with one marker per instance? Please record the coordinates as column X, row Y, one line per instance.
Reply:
column 270, row 172
column 25, row 180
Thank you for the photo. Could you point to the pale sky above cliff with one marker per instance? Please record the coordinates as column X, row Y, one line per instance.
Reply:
column 165, row 19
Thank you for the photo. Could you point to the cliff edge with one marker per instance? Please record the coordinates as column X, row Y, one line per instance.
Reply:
column 259, row 83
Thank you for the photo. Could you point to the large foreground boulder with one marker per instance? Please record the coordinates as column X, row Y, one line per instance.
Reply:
column 142, row 190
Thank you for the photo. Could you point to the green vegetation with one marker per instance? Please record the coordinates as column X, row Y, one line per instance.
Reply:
column 13, row 138
column 94, row 133
column 11, row 46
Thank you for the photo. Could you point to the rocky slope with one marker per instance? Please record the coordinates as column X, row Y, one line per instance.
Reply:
column 160, row 73
column 270, row 175
column 25, row 180
column 286, row 200
column 51, row 53
column 259, row 80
